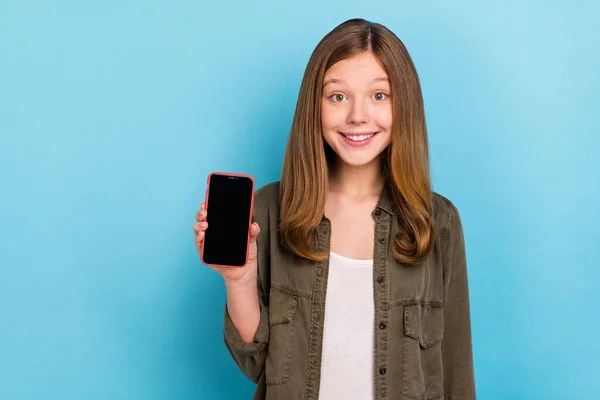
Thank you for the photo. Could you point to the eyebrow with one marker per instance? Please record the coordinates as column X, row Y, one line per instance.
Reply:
column 341, row 82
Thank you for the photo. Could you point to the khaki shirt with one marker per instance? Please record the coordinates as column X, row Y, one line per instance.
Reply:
column 422, row 319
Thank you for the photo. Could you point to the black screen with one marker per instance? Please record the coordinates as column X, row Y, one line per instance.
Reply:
column 228, row 215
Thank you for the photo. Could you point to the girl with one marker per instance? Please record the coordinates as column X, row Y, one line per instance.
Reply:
column 357, row 286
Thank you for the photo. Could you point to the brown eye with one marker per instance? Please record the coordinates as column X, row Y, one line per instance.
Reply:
column 337, row 98
column 379, row 96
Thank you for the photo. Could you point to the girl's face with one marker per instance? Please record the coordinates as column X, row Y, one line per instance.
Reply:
column 356, row 110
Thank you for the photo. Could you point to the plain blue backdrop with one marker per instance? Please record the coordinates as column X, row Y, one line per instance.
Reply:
column 113, row 113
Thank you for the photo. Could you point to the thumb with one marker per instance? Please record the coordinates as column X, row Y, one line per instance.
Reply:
column 254, row 231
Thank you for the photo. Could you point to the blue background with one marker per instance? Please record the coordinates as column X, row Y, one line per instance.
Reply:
column 113, row 113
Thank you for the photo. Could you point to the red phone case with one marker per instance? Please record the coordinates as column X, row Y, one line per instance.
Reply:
column 249, row 222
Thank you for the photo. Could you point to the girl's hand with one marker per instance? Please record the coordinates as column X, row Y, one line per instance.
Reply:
column 231, row 275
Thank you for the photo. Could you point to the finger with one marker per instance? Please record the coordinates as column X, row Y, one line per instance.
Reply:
column 200, row 226
column 199, row 238
column 203, row 206
column 201, row 216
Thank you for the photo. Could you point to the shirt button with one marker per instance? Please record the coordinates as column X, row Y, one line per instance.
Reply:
column 382, row 371
column 381, row 239
column 382, row 326
column 378, row 212
column 380, row 279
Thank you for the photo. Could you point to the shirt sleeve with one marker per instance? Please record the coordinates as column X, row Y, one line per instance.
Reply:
column 457, row 353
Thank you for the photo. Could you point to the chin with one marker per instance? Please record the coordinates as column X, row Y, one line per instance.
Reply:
column 358, row 160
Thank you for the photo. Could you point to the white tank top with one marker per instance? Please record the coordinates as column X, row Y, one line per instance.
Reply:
column 348, row 336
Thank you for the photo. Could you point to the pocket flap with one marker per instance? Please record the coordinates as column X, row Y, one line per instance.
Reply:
column 424, row 323
column 282, row 307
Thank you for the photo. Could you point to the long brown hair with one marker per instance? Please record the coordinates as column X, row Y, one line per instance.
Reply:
column 304, row 176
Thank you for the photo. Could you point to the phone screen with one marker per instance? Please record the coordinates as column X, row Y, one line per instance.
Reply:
column 228, row 215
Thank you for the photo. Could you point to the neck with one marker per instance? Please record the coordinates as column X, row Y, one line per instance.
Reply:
column 364, row 180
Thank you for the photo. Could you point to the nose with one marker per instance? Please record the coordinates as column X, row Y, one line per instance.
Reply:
column 359, row 113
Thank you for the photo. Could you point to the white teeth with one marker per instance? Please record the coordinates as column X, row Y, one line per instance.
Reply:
column 359, row 138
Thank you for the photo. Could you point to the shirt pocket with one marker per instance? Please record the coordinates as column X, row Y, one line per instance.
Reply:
column 422, row 367
column 282, row 309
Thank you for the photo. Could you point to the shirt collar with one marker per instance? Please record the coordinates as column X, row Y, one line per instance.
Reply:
column 386, row 203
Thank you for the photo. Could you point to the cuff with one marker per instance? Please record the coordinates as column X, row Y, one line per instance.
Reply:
column 238, row 345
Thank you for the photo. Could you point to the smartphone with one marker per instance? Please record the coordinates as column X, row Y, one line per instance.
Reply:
column 229, row 203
